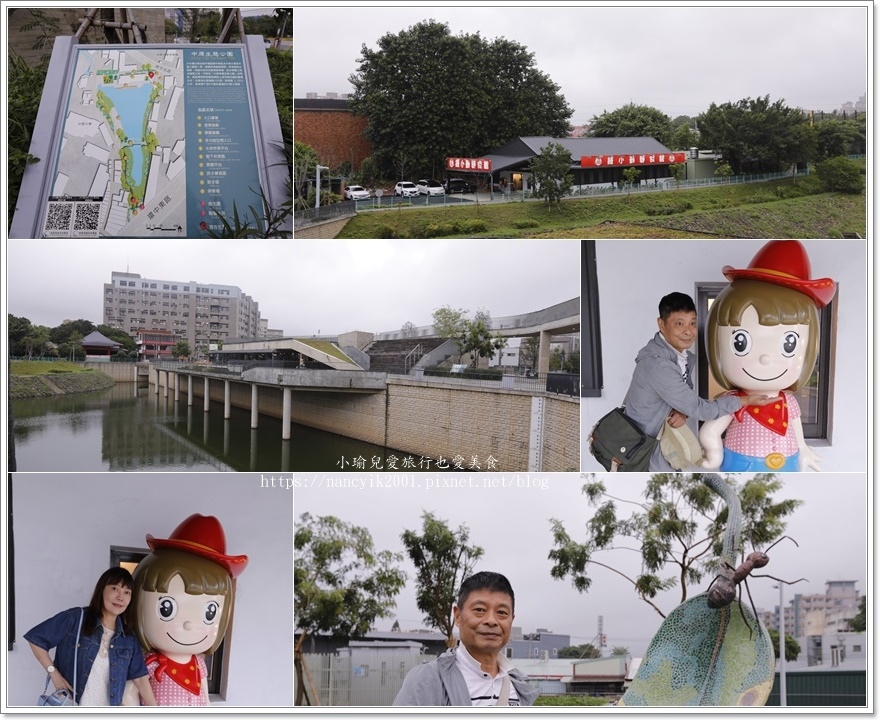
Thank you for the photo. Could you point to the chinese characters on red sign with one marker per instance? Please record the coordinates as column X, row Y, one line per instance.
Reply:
column 469, row 164
column 627, row 160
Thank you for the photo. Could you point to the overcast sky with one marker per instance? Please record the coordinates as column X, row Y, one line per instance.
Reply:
column 512, row 525
column 304, row 287
column 677, row 59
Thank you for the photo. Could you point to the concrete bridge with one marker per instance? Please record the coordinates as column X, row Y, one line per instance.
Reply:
column 520, row 427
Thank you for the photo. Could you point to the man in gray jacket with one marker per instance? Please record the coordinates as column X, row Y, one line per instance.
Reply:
column 662, row 386
column 475, row 672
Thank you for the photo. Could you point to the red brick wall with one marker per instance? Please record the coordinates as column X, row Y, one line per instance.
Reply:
column 336, row 136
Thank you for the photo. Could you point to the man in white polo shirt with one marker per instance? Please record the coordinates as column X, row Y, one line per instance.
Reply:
column 475, row 672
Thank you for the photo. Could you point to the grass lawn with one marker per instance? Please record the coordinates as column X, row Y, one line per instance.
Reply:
column 28, row 367
column 773, row 209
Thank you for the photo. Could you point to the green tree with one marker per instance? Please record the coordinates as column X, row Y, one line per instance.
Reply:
column 181, row 349
column 792, row 646
column 586, row 650
column 24, row 89
column 841, row 174
column 631, row 175
column 677, row 170
column 428, row 94
column 528, row 352
column 443, row 558
column 117, row 335
column 684, row 137
column 36, row 341
column 633, row 121
column 620, row 650
column 836, row 136
column 676, row 530
column 450, row 322
column 18, row 328
column 65, row 330
column 479, row 342
column 860, row 622
column 552, row 173
column 305, row 160
column 341, row 584
column 754, row 135
column 723, row 169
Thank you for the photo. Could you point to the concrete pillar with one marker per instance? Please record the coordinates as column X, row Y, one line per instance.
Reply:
column 207, row 395
column 285, row 415
column 255, row 413
column 189, row 390
column 544, row 352
column 176, row 387
column 155, row 373
column 227, row 400
column 167, row 380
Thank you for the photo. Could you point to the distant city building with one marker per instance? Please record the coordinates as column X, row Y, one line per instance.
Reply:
column 199, row 313
column 818, row 613
column 541, row 644
column 267, row 333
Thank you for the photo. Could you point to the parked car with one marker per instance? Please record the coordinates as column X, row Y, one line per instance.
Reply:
column 457, row 185
column 406, row 189
column 430, row 187
column 356, row 192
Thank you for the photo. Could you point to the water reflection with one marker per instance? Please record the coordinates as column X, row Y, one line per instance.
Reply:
column 127, row 428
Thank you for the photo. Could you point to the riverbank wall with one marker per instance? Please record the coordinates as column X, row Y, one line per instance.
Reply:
column 49, row 385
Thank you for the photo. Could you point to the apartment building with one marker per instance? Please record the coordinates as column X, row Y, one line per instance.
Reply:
column 826, row 611
column 203, row 314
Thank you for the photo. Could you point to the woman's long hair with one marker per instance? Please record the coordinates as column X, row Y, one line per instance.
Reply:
column 95, row 611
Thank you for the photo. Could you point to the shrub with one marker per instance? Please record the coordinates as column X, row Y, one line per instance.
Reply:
column 525, row 224
column 840, row 174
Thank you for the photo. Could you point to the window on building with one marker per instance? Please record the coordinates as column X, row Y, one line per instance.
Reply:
column 153, row 286
column 815, row 398
column 129, row 558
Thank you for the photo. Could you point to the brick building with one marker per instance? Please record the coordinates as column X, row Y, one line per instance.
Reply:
column 327, row 125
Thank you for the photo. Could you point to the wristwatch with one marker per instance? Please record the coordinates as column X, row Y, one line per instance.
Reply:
column 50, row 669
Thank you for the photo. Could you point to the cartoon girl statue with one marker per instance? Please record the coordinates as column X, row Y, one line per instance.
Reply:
column 182, row 598
column 763, row 338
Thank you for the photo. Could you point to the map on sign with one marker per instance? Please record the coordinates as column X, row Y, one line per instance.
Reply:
column 156, row 142
column 120, row 170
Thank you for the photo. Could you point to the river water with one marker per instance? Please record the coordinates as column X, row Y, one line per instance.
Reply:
column 133, row 429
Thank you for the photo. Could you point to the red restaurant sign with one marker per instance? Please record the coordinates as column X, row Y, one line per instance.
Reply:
column 469, row 164
column 588, row 161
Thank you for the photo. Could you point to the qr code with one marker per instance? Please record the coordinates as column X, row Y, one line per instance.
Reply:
column 86, row 219
column 72, row 218
column 58, row 219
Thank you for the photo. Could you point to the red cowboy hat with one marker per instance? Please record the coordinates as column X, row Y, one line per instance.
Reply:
column 785, row 262
column 201, row 535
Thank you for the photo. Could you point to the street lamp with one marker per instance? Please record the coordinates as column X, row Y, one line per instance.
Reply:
column 318, row 169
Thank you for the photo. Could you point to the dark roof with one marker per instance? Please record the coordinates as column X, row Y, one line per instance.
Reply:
column 96, row 339
column 519, row 151
column 331, row 104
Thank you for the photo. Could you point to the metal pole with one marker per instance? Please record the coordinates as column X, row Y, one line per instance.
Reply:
column 782, row 689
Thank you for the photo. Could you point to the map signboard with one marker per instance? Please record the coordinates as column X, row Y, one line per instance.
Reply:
column 155, row 142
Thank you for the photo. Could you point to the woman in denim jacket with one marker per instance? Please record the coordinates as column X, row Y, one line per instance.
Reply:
column 109, row 651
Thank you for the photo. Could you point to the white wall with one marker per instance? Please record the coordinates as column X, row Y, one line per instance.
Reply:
column 65, row 524
column 635, row 274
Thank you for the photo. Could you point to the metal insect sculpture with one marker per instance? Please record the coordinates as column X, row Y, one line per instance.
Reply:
column 725, row 587
column 710, row 656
